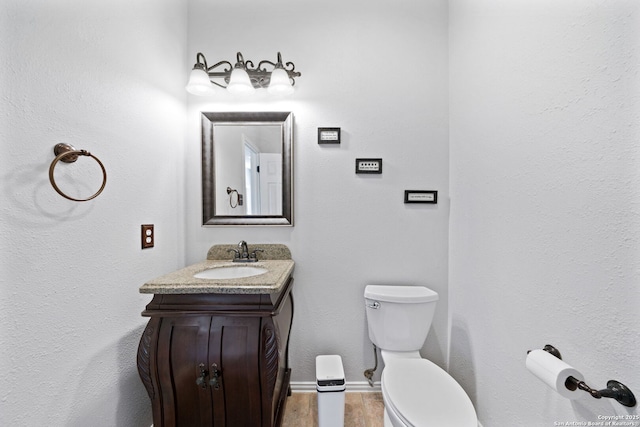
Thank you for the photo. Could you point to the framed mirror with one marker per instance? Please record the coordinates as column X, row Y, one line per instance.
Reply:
column 247, row 172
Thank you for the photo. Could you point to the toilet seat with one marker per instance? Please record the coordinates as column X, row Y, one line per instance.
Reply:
column 421, row 394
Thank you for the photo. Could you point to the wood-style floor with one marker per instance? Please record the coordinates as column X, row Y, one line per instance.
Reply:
column 360, row 410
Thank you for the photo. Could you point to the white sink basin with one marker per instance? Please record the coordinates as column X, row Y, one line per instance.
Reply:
column 234, row 272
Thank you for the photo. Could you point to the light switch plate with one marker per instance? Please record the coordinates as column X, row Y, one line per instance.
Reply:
column 421, row 196
column 368, row 165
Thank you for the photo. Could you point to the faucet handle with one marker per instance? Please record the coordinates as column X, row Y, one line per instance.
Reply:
column 254, row 255
column 236, row 253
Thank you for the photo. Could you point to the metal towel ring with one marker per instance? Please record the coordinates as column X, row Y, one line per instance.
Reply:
column 230, row 192
column 68, row 154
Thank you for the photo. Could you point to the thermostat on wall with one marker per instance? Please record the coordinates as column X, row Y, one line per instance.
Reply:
column 368, row 165
column 420, row 196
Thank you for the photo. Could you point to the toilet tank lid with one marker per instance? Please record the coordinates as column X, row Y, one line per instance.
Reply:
column 404, row 294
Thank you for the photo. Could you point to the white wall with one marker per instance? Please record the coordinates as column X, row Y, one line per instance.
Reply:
column 106, row 77
column 377, row 70
column 545, row 195
column 229, row 168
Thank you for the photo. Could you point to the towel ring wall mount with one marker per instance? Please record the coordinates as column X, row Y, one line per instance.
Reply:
column 67, row 153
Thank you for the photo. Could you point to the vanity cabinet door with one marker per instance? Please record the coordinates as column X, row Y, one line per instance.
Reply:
column 234, row 348
column 213, row 374
column 218, row 362
column 182, row 379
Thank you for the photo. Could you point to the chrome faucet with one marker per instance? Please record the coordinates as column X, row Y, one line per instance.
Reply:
column 242, row 253
column 243, row 249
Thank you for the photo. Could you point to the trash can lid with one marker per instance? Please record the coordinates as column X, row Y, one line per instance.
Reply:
column 329, row 370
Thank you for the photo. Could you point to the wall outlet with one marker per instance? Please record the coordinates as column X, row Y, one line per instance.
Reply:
column 148, row 236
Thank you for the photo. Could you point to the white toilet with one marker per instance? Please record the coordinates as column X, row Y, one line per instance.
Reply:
column 416, row 392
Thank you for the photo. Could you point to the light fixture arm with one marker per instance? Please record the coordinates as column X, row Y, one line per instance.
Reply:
column 259, row 76
column 290, row 68
column 201, row 62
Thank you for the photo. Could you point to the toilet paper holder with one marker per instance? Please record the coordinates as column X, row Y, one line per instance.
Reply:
column 615, row 389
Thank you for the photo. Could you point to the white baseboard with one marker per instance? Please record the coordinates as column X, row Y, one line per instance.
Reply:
column 352, row 386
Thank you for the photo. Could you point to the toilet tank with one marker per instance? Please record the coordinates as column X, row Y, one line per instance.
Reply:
column 399, row 317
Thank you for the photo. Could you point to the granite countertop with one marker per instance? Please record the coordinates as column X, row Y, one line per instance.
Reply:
column 183, row 282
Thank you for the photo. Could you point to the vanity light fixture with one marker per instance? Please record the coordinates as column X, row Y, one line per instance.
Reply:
column 243, row 77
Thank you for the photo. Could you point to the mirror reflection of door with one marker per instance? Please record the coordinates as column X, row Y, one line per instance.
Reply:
column 263, row 181
column 270, row 184
column 251, row 178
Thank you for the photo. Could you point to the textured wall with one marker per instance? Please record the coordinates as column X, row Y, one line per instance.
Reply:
column 545, row 190
column 378, row 70
column 106, row 77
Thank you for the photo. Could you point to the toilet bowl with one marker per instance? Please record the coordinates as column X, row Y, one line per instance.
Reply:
column 416, row 392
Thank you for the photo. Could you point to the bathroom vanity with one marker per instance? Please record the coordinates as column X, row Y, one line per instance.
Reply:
column 214, row 352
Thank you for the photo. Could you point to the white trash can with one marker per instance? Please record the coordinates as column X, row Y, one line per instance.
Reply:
column 331, row 387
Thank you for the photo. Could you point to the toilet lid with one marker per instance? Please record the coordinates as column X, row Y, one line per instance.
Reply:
column 423, row 395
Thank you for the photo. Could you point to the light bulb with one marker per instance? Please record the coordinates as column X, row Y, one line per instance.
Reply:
column 279, row 83
column 240, row 83
column 199, row 83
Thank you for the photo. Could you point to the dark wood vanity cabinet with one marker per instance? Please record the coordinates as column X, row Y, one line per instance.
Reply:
column 217, row 359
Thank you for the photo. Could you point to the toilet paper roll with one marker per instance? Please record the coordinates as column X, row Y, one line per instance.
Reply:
column 553, row 372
